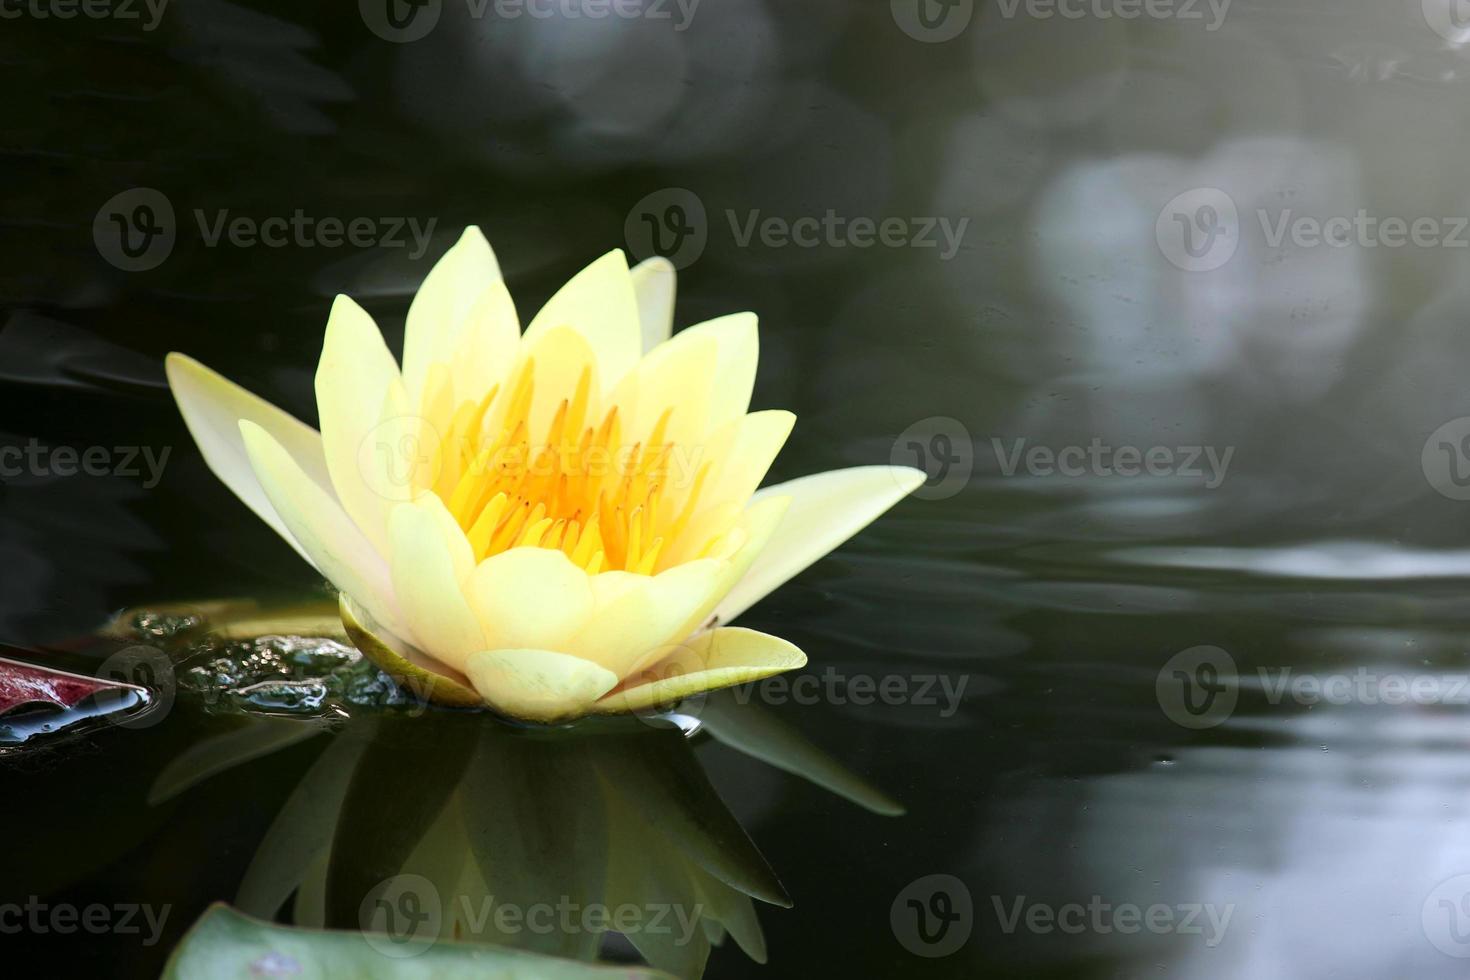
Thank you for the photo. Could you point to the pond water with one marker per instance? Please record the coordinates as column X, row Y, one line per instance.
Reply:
column 1166, row 665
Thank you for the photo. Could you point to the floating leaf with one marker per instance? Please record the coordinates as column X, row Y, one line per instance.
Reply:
column 23, row 684
column 226, row 945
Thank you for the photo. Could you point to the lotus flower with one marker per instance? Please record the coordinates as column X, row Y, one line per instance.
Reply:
column 552, row 523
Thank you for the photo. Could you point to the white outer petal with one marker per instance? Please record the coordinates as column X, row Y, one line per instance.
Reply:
column 826, row 509
column 354, row 380
column 336, row 547
column 212, row 407
column 655, row 283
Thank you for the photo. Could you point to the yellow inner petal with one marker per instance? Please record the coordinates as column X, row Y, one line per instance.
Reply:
column 524, row 469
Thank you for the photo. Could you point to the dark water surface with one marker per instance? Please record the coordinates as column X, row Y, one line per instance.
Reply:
column 1205, row 720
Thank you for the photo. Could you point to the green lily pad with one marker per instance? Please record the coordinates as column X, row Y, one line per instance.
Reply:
column 226, row 945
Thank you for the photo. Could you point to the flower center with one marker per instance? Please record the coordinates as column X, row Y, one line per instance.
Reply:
column 576, row 487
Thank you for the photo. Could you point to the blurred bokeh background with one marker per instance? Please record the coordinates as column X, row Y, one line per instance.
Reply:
column 1169, row 296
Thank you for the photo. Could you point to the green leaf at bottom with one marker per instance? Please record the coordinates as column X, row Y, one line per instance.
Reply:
column 226, row 945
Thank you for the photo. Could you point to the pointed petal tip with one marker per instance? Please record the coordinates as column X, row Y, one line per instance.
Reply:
column 909, row 478
column 473, row 238
column 251, row 432
column 657, row 264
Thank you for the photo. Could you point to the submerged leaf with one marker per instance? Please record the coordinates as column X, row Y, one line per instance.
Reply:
column 535, row 822
column 760, row 734
column 658, row 773
column 405, row 778
column 302, row 831
column 256, row 738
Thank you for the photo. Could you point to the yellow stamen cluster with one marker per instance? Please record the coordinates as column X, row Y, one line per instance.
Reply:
column 576, row 488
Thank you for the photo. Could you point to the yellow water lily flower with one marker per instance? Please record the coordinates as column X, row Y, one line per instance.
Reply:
column 552, row 523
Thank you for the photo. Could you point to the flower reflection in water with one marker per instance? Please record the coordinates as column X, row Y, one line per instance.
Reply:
column 418, row 826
